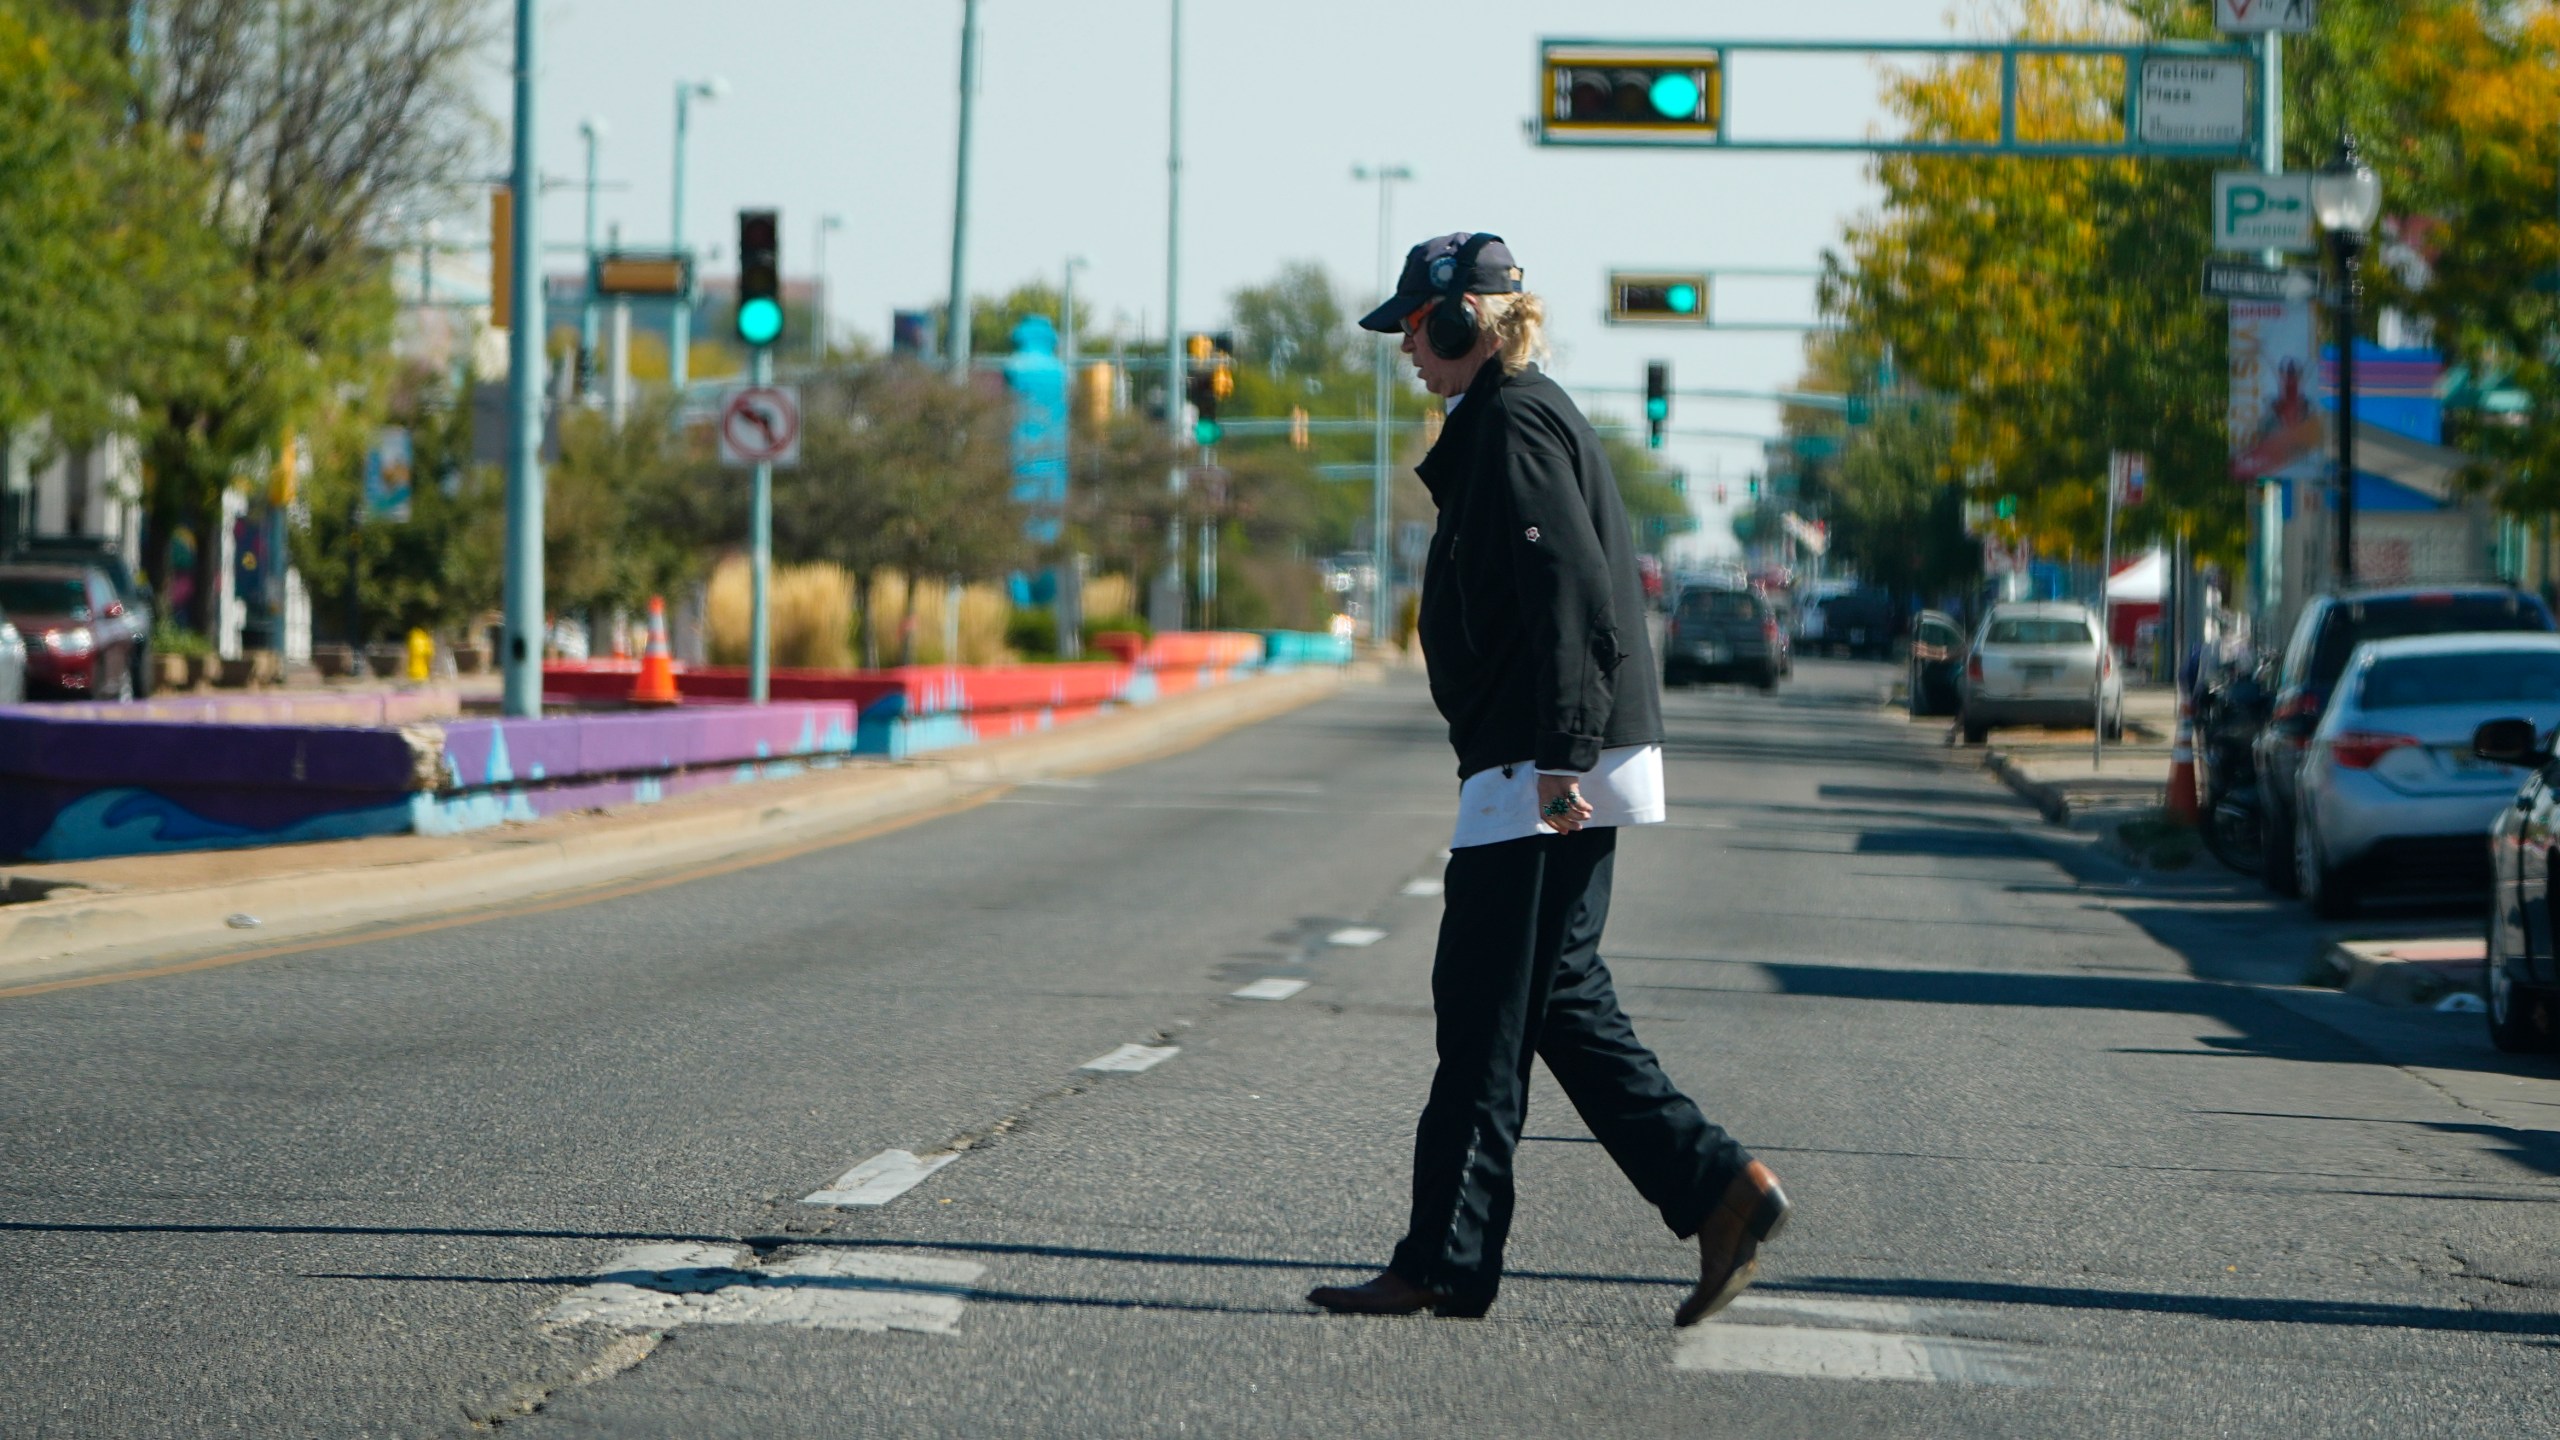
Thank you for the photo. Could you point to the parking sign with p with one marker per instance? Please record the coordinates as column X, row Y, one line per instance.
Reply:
column 2261, row 212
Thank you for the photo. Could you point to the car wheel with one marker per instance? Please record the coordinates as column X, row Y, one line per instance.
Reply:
column 2275, row 860
column 1975, row 732
column 2511, row 1023
column 1674, row 678
column 2115, row 725
column 2323, row 888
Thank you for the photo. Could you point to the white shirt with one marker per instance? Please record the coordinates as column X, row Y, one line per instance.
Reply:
column 1500, row 804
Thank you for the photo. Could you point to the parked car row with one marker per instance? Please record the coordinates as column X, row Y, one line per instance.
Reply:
column 65, row 630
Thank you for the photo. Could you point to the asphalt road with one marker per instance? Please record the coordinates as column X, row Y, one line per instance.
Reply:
column 2069, row 1157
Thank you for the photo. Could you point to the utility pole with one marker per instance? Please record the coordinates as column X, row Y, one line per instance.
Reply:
column 592, row 130
column 522, row 654
column 2270, row 566
column 617, row 370
column 680, row 325
column 818, row 321
column 956, row 311
column 1068, row 608
column 1381, row 555
column 1167, row 609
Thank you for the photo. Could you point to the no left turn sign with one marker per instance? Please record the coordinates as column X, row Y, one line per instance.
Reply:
column 759, row 425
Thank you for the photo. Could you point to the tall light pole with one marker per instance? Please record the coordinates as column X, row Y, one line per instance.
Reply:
column 1167, row 607
column 2347, row 196
column 521, row 654
column 955, row 312
column 818, row 320
column 1381, row 591
column 592, row 130
column 680, row 326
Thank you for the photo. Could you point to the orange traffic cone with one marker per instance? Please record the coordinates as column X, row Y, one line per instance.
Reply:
column 658, row 667
column 2182, row 766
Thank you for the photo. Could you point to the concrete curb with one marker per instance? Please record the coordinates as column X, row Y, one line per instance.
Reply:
column 79, row 930
column 2402, row 972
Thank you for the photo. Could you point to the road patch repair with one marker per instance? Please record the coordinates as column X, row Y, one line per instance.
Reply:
column 661, row 1287
column 1131, row 1059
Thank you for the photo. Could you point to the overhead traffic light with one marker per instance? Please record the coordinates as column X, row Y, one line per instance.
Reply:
column 1617, row 93
column 1657, row 401
column 759, row 277
column 1639, row 298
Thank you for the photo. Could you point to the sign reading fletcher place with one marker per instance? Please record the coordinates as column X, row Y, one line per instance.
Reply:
column 2261, row 212
column 2194, row 102
column 2257, row 17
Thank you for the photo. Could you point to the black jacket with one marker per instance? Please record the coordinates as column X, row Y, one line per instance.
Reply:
column 1533, row 619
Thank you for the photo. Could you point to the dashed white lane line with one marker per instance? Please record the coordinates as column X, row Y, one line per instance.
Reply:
column 1425, row 887
column 1272, row 989
column 877, row 1181
column 1355, row 936
column 1865, row 1340
column 1130, row 1059
column 659, row 1287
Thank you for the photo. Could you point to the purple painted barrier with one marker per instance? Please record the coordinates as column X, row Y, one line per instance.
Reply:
column 77, row 788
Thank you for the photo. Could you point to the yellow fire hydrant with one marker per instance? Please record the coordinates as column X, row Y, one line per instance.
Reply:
column 422, row 654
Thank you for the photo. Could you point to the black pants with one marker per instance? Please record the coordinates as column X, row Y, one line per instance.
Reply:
column 1519, row 974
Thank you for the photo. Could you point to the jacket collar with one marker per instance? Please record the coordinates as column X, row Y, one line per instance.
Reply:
column 1440, row 469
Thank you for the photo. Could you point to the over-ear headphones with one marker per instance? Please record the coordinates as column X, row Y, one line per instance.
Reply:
column 1452, row 328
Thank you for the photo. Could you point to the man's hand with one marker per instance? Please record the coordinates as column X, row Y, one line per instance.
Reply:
column 1577, row 811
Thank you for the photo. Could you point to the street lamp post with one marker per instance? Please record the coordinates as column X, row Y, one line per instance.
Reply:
column 680, row 325
column 2347, row 196
column 1068, row 608
column 955, row 346
column 1164, row 609
column 520, row 660
column 818, row 320
column 1381, row 556
column 592, row 130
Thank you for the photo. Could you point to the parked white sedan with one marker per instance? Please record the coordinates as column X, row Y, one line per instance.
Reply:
column 2392, row 799
column 2040, row 663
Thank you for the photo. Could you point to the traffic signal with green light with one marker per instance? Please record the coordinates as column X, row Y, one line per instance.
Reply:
column 2007, row 509
column 1652, row 299
column 1657, row 401
column 1632, row 92
column 1755, row 487
column 1213, row 379
column 759, row 277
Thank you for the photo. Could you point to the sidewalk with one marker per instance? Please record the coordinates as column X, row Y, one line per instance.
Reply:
column 78, row 918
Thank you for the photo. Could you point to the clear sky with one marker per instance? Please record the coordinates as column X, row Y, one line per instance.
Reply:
column 850, row 108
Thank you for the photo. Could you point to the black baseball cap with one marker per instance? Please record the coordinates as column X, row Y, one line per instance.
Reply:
column 1431, row 267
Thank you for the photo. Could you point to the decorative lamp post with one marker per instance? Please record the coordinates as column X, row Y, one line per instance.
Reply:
column 2347, row 197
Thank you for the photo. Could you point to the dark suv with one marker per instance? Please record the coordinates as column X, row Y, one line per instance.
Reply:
column 1721, row 634
column 2330, row 629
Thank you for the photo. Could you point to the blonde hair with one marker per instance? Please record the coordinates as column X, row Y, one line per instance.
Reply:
column 1518, row 324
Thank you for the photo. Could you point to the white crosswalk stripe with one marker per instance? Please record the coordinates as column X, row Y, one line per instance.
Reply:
column 1355, row 936
column 877, row 1181
column 660, row 1287
column 1858, row 1340
column 1274, row 988
column 1130, row 1059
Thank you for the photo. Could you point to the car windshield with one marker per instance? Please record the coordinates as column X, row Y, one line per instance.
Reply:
column 2481, row 677
column 2416, row 615
column 2036, row 630
column 44, row 597
column 1719, row 605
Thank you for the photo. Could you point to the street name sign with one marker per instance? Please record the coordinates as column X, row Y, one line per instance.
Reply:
column 2259, row 17
column 760, row 425
column 2252, row 211
column 2194, row 102
column 2249, row 280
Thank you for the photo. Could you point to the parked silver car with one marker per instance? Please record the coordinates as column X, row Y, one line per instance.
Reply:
column 2391, row 797
column 2039, row 663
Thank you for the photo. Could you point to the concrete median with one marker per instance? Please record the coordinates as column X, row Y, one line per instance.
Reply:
column 140, row 912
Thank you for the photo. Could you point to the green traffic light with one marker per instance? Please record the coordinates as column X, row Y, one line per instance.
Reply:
column 1205, row 432
column 1683, row 299
column 1675, row 94
column 759, row 321
column 1657, row 408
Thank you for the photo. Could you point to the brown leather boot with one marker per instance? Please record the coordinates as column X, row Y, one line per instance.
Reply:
column 1753, row 1209
column 1391, row 1294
